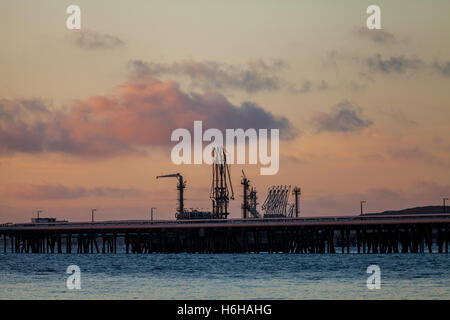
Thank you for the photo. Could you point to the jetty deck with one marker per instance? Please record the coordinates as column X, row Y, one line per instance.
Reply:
column 366, row 234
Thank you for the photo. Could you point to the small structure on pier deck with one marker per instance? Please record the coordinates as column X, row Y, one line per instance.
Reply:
column 47, row 220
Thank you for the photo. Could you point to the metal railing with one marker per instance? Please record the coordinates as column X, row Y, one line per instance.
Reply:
column 286, row 220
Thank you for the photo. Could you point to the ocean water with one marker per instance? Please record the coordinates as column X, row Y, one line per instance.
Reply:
column 225, row 276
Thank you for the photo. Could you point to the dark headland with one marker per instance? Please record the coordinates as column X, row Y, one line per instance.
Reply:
column 415, row 210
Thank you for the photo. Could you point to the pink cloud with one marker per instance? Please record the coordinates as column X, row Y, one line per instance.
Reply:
column 134, row 116
column 57, row 191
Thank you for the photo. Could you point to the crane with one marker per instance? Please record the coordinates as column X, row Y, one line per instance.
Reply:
column 180, row 187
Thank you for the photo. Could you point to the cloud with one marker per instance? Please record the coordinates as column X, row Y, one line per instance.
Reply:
column 56, row 192
column 432, row 188
column 331, row 59
column 373, row 157
column 442, row 69
column 23, row 124
column 93, row 40
column 305, row 88
column 345, row 117
column 417, row 154
column 294, row 159
column 134, row 116
column 377, row 36
column 421, row 193
column 398, row 64
column 397, row 115
column 256, row 76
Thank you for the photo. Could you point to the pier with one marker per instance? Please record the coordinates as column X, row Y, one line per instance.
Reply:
column 363, row 234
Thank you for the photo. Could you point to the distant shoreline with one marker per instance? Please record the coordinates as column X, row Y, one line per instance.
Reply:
column 415, row 210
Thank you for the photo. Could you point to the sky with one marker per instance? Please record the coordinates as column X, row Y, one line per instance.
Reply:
column 86, row 115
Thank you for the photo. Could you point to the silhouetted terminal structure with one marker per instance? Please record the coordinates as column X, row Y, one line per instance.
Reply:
column 279, row 229
column 367, row 234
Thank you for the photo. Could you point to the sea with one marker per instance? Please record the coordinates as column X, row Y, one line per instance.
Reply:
column 225, row 276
